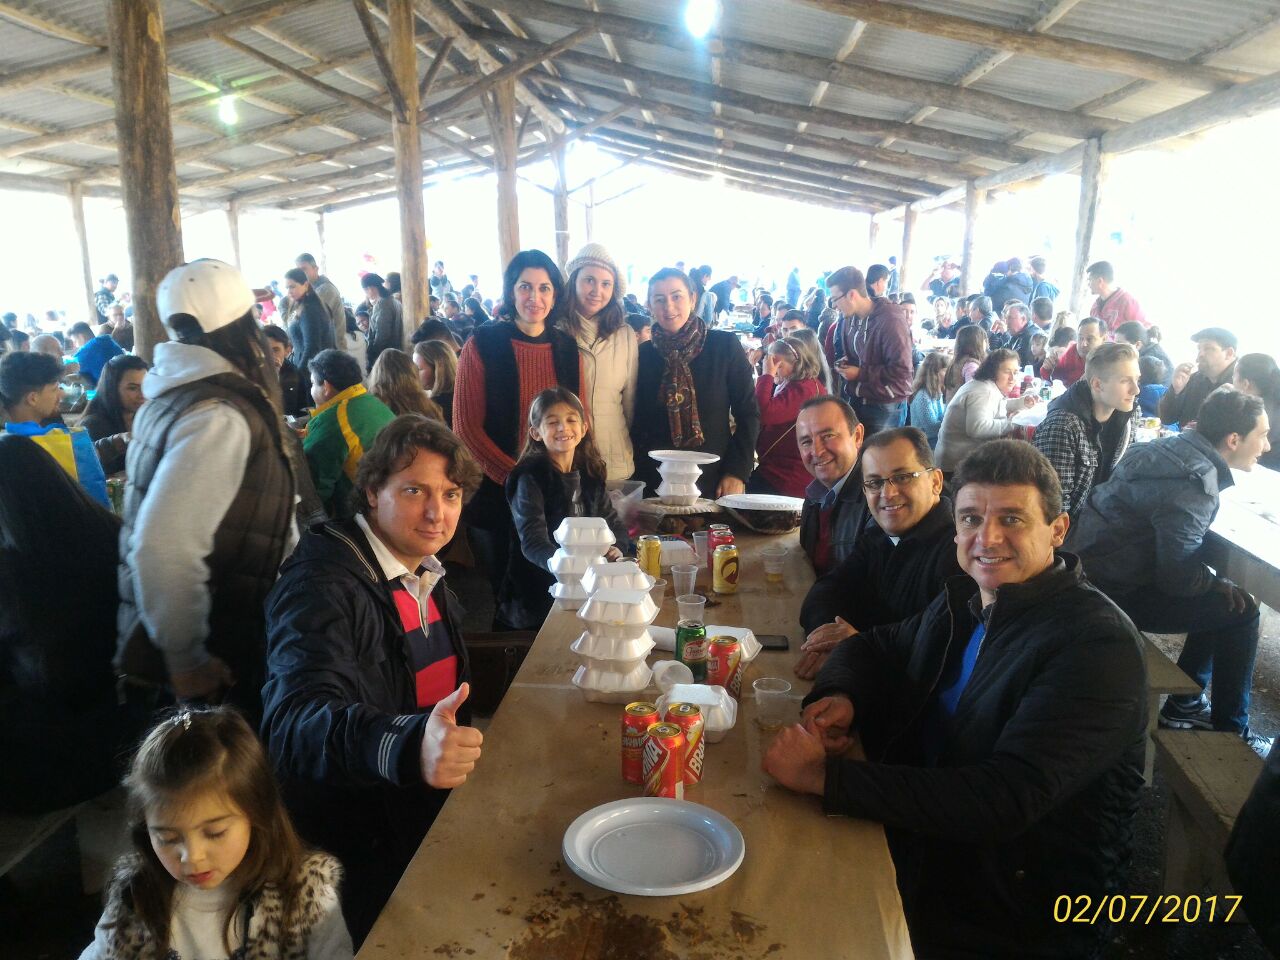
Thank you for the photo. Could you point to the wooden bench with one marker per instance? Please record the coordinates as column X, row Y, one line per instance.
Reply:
column 99, row 832
column 1210, row 774
column 1163, row 677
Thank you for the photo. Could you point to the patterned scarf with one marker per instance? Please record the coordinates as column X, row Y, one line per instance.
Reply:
column 677, row 393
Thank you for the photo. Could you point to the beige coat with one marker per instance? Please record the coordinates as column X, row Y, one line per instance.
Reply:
column 610, row 367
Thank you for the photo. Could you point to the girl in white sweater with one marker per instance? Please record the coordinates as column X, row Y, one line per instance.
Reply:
column 217, row 871
column 980, row 410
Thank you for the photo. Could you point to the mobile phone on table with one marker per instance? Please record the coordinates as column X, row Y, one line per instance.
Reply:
column 773, row 641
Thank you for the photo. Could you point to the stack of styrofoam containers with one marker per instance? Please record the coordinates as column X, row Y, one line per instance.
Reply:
column 614, row 645
column 625, row 575
column 679, row 486
column 583, row 541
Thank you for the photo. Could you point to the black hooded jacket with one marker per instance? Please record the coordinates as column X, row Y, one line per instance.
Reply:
column 1036, row 783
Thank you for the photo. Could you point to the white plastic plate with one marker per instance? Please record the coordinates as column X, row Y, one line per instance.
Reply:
column 653, row 847
column 760, row 501
column 684, row 456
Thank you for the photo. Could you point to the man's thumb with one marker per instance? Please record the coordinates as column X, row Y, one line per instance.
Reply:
column 447, row 708
column 843, row 622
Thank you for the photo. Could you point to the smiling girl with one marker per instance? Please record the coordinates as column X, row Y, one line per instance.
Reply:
column 217, row 871
column 560, row 474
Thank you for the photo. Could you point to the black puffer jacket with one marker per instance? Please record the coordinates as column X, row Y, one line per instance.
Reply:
column 1145, row 527
column 1037, row 781
column 341, row 720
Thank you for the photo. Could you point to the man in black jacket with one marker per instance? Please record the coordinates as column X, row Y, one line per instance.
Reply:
column 1004, row 728
column 365, row 701
column 1215, row 365
column 1142, row 535
column 835, row 511
column 902, row 558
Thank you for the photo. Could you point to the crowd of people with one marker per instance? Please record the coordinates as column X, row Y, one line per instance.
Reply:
column 295, row 469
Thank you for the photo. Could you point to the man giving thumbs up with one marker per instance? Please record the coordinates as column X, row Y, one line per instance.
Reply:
column 366, row 714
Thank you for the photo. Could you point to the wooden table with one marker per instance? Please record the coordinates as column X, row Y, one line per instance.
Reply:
column 488, row 880
column 1245, row 537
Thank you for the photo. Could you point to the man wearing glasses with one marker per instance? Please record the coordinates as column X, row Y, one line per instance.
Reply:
column 900, row 561
column 876, row 344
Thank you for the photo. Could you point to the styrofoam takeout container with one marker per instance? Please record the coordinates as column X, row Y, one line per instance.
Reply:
column 687, row 472
column 596, row 649
column 618, row 614
column 584, row 531
column 566, row 564
column 719, row 709
column 607, row 686
column 678, row 494
column 626, row 575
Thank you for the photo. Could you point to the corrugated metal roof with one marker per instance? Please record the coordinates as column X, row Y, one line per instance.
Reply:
column 329, row 29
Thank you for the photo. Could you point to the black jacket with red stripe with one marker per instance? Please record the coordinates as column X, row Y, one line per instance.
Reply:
column 341, row 720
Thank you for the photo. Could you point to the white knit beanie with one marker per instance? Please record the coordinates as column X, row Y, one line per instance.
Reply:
column 595, row 255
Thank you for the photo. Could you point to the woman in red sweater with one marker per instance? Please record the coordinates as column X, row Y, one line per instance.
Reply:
column 793, row 374
column 504, row 365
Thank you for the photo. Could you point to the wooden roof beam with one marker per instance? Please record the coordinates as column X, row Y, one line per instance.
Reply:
column 859, row 77
column 854, row 176
column 767, row 170
column 191, row 33
column 47, row 25
column 506, row 72
column 897, row 159
column 439, row 20
column 1095, row 56
column 794, row 112
column 302, row 77
column 380, row 57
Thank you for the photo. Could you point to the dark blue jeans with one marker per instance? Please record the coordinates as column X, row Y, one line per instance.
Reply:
column 1221, row 645
column 881, row 416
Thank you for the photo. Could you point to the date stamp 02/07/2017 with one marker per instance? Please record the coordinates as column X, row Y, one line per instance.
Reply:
column 1140, row 908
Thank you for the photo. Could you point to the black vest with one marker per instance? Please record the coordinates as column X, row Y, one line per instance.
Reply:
column 247, row 548
column 504, row 421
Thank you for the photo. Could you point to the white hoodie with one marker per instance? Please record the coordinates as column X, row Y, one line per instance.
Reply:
column 193, row 487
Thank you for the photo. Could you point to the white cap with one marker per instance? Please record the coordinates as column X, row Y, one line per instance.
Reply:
column 211, row 291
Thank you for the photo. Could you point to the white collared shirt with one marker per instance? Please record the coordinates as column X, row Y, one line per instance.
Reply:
column 418, row 582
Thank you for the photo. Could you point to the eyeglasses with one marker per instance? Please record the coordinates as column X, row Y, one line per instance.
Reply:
column 898, row 481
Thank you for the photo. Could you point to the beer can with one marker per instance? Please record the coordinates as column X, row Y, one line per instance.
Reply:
column 717, row 534
column 688, row 717
column 691, row 648
column 724, row 571
column 664, row 761
column 724, row 664
column 649, row 555
column 637, row 718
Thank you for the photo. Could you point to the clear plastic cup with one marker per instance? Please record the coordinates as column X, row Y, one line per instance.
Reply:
column 774, row 706
column 658, row 591
column 775, row 563
column 700, row 549
column 691, row 606
column 683, row 577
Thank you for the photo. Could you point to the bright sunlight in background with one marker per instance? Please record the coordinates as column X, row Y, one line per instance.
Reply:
column 1189, row 231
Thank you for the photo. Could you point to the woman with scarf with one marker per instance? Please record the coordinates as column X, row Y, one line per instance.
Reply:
column 501, row 369
column 691, row 381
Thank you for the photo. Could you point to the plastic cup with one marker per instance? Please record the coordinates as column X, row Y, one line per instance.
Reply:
column 773, row 702
column 700, row 548
column 775, row 563
column 658, row 591
column 691, row 606
column 683, row 577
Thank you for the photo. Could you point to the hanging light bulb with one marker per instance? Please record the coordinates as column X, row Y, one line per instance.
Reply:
column 227, row 109
column 700, row 16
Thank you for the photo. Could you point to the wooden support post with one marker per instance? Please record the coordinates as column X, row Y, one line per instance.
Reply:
column 233, row 226
column 591, row 212
column 561, row 201
column 75, row 193
column 148, row 181
column 324, row 258
column 873, row 236
column 973, row 201
column 414, row 289
column 1092, row 173
column 503, row 121
column 904, row 261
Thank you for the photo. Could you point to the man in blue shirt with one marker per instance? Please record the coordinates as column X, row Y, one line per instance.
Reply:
column 1002, row 728
column 94, row 351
